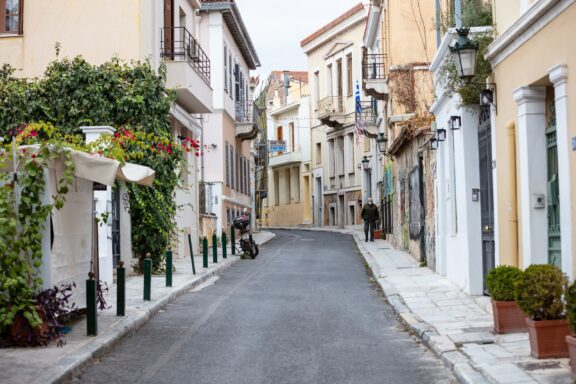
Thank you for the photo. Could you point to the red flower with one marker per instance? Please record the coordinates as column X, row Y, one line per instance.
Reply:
column 34, row 133
column 197, row 154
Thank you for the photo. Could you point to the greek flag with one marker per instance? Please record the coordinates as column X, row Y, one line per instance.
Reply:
column 358, row 129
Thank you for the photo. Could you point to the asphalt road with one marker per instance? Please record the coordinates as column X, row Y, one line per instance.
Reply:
column 304, row 311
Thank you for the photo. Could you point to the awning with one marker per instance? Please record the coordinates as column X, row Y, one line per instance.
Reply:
column 98, row 168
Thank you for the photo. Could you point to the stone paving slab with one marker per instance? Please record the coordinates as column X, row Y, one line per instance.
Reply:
column 455, row 325
column 53, row 364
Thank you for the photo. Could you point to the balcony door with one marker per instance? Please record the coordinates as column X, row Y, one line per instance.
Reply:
column 168, row 29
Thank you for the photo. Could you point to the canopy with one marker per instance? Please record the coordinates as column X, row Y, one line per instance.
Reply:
column 98, row 168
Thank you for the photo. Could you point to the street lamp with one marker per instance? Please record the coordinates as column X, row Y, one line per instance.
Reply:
column 464, row 53
column 381, row 142
column 365, row 163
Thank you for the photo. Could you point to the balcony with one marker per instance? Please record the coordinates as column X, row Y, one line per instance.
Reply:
column 246, row 118
column 375, row 76
column 285, row 158
column 187, row 69
column 332, row 111
column 366, row 118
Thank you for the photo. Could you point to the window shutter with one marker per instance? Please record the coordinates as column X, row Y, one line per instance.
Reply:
column 232, row 165
column 227, row 166
column 225, row 68
column 237, row 170
column 237, row 80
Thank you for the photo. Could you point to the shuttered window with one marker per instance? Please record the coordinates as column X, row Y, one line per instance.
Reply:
column 227, row 166
column 225, row 68
column 232, row 165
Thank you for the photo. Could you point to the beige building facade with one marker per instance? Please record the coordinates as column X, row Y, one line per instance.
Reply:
column 288, row 129
column 334, row 69
column 535, row 125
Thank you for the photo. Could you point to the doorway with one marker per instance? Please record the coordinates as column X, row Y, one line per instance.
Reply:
column 554, row 244
column 486, row 192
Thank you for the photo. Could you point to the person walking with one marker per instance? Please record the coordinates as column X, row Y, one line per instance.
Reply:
column 369, row 215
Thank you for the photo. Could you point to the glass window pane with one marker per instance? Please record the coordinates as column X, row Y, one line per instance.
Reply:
column 12, row 6
column 11, row 24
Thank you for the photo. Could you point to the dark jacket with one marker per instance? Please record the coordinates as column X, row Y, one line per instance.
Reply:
column 370, row 212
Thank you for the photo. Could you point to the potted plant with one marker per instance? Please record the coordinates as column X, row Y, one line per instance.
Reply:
column 508, row 317
column 539, row 292
column 570, row 297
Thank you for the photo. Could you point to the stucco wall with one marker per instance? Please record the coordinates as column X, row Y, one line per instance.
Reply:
column 535, row 57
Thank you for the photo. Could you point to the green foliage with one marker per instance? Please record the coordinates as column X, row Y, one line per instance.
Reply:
column 73, row 93
column 570, row 297
column 500, row 282
column 539, row 291
column 23, row 216
column 469, row 92
column 475, row 13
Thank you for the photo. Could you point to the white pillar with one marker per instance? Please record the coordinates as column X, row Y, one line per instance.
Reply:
column 533, row 173
column 558, row 76
column 103, row 203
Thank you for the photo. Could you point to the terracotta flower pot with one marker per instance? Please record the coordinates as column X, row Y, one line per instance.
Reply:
column 548, row 338
column 377, row 234
column 508, row 318
column 21, row 332
column 571, row 342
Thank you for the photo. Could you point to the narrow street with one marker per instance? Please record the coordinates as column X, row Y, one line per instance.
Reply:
column 303, row 312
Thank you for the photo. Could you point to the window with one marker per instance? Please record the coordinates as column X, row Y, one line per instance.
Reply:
column 349, row 70
column 316, row 88
column 232, row 166
column 11, row 16
column 227, row 166
column 230, row 86
column 225, row 68
column 318, row 153
column 237, row 82
column 242, row 174
column 292, row 137
column 329, row 80
column 249, row 192
column 228, row 215
column 237, row 170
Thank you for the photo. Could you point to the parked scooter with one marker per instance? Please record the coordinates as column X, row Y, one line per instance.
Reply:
column 247, row 243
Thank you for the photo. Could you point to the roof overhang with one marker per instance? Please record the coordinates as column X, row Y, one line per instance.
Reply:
column 372, row 26
column 237, row 28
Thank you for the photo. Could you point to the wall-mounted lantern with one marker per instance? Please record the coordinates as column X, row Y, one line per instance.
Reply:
column 433, row 144
column 365, row 163
column 464, row 53
column 440, row 134
column 455, row 123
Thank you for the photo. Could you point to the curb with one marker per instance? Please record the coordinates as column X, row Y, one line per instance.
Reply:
column 442, row 346
column 70, row 366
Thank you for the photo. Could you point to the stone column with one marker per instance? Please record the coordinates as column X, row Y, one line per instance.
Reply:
column 532, row 169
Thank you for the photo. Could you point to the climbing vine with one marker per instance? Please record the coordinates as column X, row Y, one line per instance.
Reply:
column 23, row 217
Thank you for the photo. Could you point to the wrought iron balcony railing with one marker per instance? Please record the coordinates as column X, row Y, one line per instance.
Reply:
column 177, row 44
column 366, row 113
column 245, row 111
column 374, row 66
column 331, row 105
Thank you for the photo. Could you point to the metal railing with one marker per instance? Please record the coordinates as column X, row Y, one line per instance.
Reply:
column 366, row 113
column 245, row 111
column 331, row 105
column 374, row 66
column 177, row 44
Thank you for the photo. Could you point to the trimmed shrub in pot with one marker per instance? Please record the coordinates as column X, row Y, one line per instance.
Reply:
column 538, row 292
column 507, row 316
column 570, row 297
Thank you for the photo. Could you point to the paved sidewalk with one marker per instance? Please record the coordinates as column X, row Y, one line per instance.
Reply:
column 52, row 364
column 455, row 325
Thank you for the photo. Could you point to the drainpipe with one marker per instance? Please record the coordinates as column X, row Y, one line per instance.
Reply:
column 438, row 16
column 458, row 13
column 509, row 249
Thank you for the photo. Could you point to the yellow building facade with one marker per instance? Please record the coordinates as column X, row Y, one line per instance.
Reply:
column 534, row 70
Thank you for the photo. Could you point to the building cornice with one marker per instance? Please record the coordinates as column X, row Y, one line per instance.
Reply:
column 353, row 20
column 532, row 21
column 233, row 20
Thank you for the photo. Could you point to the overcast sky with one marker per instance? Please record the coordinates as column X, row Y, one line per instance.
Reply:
column 278, row 26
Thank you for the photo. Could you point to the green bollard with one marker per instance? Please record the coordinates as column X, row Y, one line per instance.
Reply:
column 168, row 268
column 214, row 248
column 205, row 252
column 224, row 250
column 147, row 277
column 91, row 320
column 120, row 289
column 232, row 240
column 191, row 254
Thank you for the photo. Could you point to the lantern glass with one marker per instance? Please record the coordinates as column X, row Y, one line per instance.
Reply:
column 440, row 134
column 465, row 60
column 455, row 123
column 434, row 144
